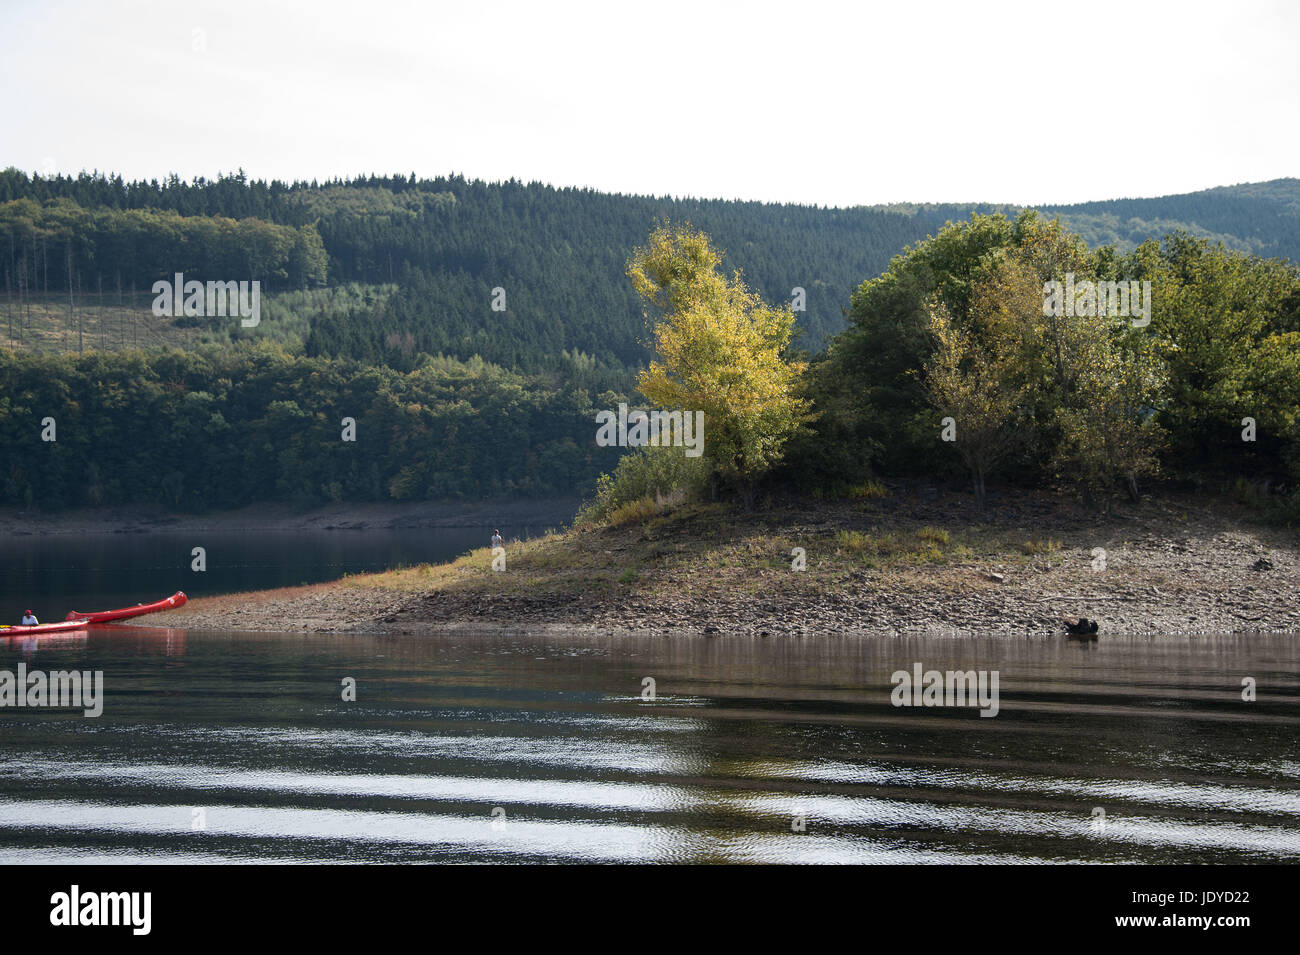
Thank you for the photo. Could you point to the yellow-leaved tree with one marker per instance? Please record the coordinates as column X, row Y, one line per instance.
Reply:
column 719, row 349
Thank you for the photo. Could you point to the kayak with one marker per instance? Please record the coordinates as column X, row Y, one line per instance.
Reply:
column 177, row 599
column 79, row 621
column 19, row 630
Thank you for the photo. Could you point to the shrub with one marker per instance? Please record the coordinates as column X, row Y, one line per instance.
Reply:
column 1035, row 546
column 870, row 491
column 640, row 510
column 855, row 542
column 934, row 535
column 663, row 476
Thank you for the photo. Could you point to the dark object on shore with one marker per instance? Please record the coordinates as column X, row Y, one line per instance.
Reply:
column 1082, row 627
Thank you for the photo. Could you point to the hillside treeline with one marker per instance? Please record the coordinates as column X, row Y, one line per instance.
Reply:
column 950, row 327
column 222, row 427
column 558, row 255
column 1003, row 349
column 52, row 246
column 1263, row 218
column 1208, row 389
column 448, row 242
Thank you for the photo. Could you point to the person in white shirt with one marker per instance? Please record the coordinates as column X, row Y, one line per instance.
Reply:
column 497, row 540
column 29, row 619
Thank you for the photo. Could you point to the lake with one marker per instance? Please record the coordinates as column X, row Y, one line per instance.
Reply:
column 236, row 747
column 56, row 573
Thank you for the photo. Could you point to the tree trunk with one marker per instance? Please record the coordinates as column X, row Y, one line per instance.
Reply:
column 1085, row 488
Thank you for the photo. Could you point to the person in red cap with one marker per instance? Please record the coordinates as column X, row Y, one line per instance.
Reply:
column 29, row 619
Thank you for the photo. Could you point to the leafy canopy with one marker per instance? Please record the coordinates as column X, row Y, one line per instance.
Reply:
column 720, row 349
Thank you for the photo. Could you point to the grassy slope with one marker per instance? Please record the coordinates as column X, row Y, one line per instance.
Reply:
column 42, row 323
column 728, row 551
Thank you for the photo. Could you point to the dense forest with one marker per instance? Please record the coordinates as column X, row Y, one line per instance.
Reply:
column 447, row 243
column 1263, row 218
column 472, row 330
column 964, row 358
column 54, row 246
column 1222, row 345
column 558, row 255
column 218, row 428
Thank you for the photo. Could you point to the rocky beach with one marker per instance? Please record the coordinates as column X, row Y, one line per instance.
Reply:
column 907, row 564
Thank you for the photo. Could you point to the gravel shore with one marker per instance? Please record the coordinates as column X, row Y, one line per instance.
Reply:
column 1184, row 567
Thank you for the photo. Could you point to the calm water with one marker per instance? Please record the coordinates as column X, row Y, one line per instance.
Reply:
column 56, row 573
column 217, row 747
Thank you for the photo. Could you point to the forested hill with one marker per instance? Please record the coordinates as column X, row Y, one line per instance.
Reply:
column 366, row 282
column 1263, row 218
column 559, row 255
column 447, row 243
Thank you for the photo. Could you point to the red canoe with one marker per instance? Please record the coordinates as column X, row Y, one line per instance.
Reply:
column 18, row 631
column 177, row 599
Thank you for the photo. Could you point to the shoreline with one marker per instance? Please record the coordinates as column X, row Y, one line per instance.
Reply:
column 277, row 518
column 873, row 568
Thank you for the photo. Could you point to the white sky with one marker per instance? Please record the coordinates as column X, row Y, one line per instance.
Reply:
column 838, row 103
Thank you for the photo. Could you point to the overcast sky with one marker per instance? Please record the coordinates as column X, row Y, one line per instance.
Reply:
column 839, row 103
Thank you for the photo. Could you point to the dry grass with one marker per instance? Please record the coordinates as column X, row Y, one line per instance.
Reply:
column 633, row 512
column 42, row 323
column 1036, row 546
column 716, row 548
column 870, row 491
column 644, row 550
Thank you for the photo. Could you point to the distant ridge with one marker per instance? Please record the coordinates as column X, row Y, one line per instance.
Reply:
column 1260, row 217
column 444, row 244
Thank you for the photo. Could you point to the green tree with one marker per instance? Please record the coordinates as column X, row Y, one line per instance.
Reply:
column 1228, row 330
column 971, row 379
column 1112, row 432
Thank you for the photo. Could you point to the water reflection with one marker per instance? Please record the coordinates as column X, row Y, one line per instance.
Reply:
column 164, row 641
column 528, row 748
